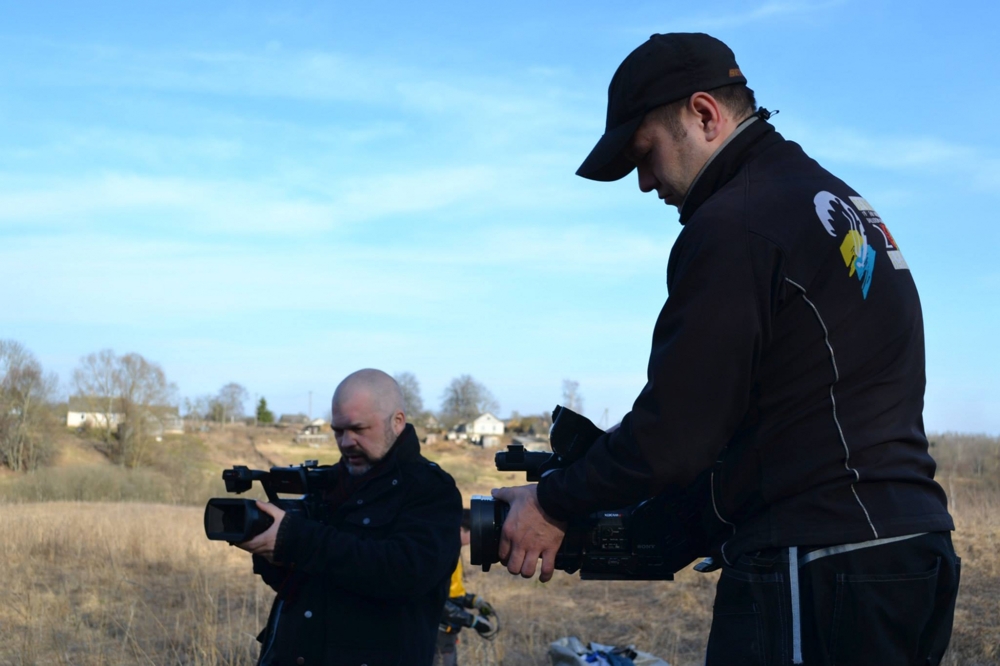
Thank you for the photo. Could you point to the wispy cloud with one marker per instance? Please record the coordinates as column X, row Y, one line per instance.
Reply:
column 765, row 12
column 235, row 205
column 921, row 153
column 110, row 279
column 314, row 75
column 142, row 148
column 405, row 193
column 480, row 141
column 307, row 196
column 193, row 204
column 578, row 249
column 306, row 75
column 890, row 152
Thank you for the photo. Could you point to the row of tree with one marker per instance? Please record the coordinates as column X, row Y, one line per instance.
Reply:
column 463, row 400
column 131, row 396
column 226, row 406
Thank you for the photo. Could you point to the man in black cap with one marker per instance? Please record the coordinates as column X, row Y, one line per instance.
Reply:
column 787, row 369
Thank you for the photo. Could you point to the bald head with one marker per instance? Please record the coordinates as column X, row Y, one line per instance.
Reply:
column 368, row 417
column 383, row 391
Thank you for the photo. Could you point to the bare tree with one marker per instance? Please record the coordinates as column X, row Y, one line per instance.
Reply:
column 214, row 409
column 96, row 382
column 145, row 396
column 130, row 393
column 413, row 404
column 24, row 395
column 197, row 408
column 230, row 399
column 465, row 399
column 571, row 396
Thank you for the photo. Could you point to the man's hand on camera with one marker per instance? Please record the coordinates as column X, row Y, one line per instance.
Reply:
column 528, row 533
column 263, row 543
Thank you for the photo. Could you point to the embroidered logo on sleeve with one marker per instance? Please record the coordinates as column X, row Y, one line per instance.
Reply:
column 840, row 217
column 872, row 218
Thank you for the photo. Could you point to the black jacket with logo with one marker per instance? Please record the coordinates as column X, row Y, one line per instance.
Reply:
column 788, row 360
column 367, row 585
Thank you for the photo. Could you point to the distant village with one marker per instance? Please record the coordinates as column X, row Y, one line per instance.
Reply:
column 485, row 430
column 123, row 402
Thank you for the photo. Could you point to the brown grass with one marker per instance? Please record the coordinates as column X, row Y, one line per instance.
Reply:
column 125, row 583
column 109, row 584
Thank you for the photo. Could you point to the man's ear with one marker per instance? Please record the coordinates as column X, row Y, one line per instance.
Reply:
column 709, row 114
column 398, row 422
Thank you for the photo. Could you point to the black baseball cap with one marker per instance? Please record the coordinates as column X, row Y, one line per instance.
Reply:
column 665, row 69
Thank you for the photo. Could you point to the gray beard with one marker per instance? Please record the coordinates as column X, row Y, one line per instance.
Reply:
column 358, row 471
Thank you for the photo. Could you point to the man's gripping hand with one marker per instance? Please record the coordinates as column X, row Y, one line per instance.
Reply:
column 528, row 533
column 263, row 543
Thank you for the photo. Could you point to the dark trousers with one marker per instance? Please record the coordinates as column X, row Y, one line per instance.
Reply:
column 890, row 604
column 446, row 655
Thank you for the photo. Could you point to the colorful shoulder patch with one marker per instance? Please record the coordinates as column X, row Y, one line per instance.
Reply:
column 855, row 223
column 871, row 217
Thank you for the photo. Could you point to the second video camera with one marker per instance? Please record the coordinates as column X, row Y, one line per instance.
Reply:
column 648, row 541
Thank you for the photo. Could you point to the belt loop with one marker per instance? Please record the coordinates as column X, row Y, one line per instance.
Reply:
column 793, row 578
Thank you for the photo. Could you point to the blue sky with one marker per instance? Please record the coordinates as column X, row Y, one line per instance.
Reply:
column 280, row 193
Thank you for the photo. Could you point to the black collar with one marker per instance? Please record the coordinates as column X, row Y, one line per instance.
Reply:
column 407, row 446
column 751, row 140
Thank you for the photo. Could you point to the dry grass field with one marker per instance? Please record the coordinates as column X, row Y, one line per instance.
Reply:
column 135, row 582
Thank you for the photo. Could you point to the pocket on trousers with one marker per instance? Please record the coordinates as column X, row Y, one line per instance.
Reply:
column 879, row 618
column 737, row 635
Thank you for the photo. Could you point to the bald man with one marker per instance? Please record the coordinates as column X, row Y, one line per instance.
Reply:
column 367, row 584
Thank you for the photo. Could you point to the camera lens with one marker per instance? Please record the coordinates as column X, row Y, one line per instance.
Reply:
column 488, row 515
column 234, row 520
column 224, row 518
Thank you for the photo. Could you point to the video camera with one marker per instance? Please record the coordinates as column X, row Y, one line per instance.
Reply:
column 647, row 541
column 238, row 520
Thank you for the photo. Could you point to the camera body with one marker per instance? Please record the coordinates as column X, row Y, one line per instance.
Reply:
column 238, row 520
column 651, row 540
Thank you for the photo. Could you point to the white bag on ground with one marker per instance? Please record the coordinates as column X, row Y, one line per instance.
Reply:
column 570, row 651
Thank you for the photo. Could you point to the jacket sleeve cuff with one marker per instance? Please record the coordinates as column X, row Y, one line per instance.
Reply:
column 271, row 574
column 289, row 532
column 550, row 493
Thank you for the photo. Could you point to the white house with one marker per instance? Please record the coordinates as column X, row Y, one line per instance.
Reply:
column 83, row 411
column 485, row 424
column 485, row 429
column 89, row 411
